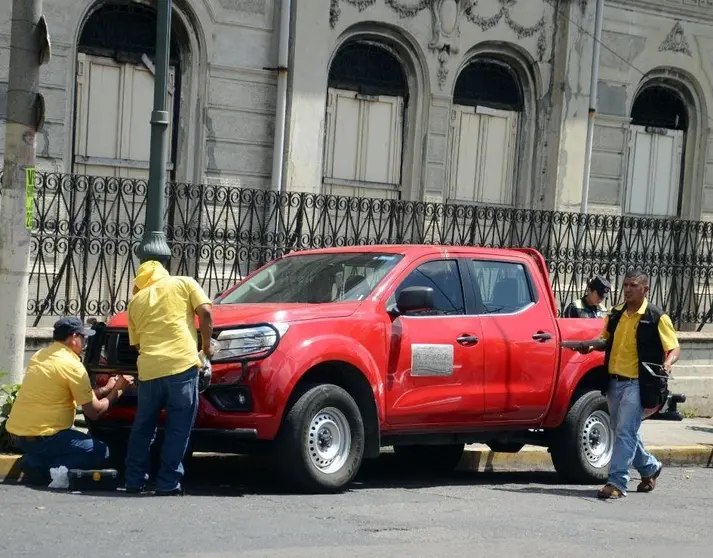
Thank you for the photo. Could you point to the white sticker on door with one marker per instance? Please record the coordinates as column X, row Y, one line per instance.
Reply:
column 431, row 360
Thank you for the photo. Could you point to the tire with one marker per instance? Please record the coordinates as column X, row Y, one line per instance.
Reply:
column 436, row 459
column 320, row 446
column 582, row 446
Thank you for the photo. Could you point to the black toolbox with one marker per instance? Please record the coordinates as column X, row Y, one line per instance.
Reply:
column 81, row 480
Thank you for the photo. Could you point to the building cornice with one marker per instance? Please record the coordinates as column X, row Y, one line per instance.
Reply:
column 692, row 10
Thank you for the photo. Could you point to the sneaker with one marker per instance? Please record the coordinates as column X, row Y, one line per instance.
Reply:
column 610, row 492
column 647, row 484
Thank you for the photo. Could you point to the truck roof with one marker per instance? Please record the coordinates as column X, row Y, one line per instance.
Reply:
column 411, row 249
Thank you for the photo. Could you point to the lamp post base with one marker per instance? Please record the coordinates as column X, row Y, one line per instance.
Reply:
column 154, row 247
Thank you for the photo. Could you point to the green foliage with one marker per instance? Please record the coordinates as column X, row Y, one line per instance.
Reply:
column 8, row 395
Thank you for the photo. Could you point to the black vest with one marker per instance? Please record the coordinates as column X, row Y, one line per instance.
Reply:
column 654, row 391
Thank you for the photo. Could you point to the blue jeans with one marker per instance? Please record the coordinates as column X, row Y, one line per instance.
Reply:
column 626, row 415
column 71, row 448
column 178, row 395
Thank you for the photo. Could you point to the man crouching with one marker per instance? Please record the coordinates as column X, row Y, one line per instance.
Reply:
column 43, row 414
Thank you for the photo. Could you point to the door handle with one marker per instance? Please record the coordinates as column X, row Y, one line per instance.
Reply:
column 467, row 340
column 541, row 336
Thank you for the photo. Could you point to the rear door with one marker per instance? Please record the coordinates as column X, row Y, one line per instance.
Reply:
column 520, row 337
column 435, row 371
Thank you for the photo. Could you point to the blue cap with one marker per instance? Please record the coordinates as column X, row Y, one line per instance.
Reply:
column 64, row 327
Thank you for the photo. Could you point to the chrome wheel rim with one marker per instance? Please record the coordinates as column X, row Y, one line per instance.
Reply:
column 597, row 439
column 329, row 440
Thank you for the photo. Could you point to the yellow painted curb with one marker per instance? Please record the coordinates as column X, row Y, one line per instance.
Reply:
column 7, row 464
column 538, row 459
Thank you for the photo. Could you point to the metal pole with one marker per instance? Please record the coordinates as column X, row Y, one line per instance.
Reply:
column 282, row 63
column 153, row 245
column 29, row 44
column 593, row 90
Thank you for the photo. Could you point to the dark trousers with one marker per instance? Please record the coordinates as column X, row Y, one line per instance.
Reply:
column 71, row 448
column 178, row 396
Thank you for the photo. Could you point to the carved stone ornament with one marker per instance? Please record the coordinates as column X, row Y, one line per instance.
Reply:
column 446, row 16
column 676, row 41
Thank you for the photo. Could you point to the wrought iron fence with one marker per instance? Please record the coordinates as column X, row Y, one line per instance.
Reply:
column 87, row 228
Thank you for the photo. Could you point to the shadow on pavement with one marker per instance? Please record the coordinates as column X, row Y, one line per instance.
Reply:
column 236, row 476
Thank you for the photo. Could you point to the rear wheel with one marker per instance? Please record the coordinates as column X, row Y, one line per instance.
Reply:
column 436, row 459
column 582, row 446
column 321, row 442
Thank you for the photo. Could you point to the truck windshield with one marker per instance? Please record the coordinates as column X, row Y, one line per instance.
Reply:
column 315, row 279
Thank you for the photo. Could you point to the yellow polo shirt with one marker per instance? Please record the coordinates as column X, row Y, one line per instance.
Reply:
column 624, row 359
column 162, row 323
column 54, row 384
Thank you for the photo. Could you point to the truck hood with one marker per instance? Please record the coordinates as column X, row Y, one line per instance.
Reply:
column 225, row 315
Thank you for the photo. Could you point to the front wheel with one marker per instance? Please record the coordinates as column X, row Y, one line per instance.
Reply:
column 321, row 443
column 582, row 446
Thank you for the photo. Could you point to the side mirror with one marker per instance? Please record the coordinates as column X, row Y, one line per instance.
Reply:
column 415, row 299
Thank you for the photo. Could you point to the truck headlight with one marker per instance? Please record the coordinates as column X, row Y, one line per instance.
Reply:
column 235, row 344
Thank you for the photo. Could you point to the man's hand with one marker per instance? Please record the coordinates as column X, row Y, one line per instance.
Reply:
column 110, row 384
column 208, row 350
column 123, row 382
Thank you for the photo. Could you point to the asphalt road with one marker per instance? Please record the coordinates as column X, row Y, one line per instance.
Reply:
column 235, row 508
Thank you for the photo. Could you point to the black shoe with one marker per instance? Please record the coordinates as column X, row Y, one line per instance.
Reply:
column 175, row 492
column 35, row 476
column 131, row 490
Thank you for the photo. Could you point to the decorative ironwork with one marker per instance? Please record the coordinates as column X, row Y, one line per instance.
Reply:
column 86, row 228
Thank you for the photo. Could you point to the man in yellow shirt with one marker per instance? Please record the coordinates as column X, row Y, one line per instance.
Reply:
column 634, row 333
column 162, row 327
column 42, row 417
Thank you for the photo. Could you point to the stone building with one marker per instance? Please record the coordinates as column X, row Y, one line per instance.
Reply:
column 440, row 100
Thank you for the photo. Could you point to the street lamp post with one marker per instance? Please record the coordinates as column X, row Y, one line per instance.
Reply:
column 153, row 244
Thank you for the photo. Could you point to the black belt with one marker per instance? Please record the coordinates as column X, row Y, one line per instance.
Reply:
column 622, row 378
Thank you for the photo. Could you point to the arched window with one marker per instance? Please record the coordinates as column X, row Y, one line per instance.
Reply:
column 487, row 102
column 659, row 123
column 366, row 100
column 114, row 91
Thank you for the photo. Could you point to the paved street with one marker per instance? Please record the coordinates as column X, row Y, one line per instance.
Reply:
column 384, row 514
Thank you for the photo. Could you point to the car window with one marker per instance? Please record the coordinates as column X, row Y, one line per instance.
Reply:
column 444, row 278
column 315, row 279
column 504, row 287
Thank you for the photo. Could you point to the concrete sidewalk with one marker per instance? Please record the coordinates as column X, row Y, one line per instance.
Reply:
column 688, row 443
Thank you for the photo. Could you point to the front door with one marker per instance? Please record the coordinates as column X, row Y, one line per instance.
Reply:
column 435, row 373
column 520, row 339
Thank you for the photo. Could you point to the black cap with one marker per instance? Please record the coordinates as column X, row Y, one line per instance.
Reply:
column 64, row 327
column 601, row 285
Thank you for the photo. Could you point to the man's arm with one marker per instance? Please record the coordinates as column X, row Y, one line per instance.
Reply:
column 203, row 308
column 98, row 406
column 596, row 344
column 205, row 321
column 669, row 341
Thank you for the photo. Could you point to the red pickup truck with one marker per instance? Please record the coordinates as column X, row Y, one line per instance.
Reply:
column 326, row 356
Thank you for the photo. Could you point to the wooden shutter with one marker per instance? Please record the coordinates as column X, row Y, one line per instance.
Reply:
column 483, row 153
column 363, row 139
column 654, row 171
column 113, row 120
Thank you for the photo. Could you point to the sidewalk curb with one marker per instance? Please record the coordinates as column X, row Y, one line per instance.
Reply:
column 539, row 459
column 535, row 459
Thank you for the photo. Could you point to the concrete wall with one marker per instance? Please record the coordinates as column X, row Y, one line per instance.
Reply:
column 693, row 375
column 227, row 97
column 649, row 39
column 548, row 51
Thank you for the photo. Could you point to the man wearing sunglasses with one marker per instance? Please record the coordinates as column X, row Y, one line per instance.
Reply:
column 43, row 414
